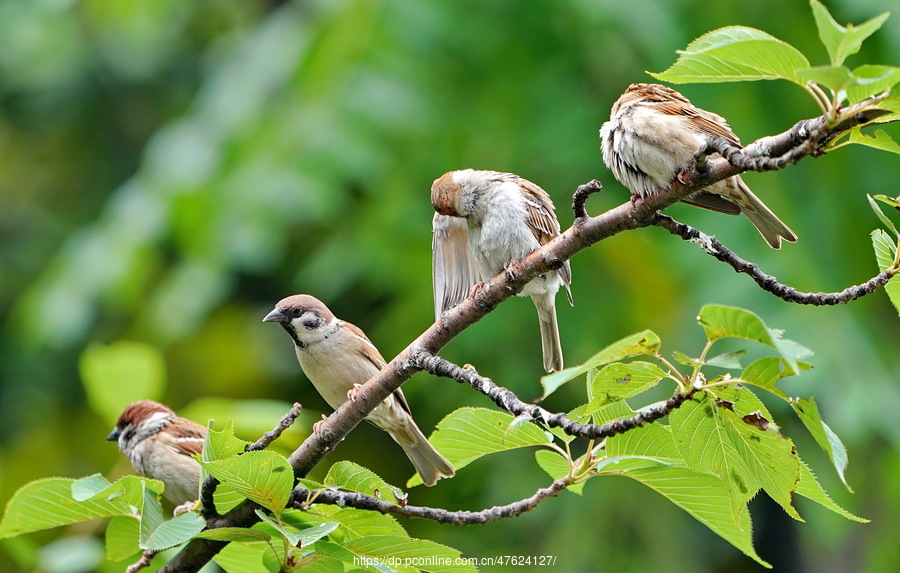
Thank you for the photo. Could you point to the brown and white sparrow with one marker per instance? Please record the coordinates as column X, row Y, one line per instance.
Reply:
column 486, row 220
column 160, row 445
column 653, row 132
column 337, row 357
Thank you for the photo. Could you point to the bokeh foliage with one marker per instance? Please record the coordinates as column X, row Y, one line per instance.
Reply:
column 169, row 170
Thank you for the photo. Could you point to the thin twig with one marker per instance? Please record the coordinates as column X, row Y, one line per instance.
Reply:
column 207, row 501
column 581, row 195
column 300, row 495
column 286, row 422
column 146, row 557
column 767, row 282
column 508, row 401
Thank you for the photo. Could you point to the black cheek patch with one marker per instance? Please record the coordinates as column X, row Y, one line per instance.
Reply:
column 312, row 323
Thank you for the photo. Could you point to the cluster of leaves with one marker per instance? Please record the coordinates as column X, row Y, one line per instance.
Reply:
column 715, row 453
column 740, row 53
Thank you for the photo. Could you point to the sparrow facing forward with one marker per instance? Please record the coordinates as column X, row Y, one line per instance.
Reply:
column 653, row 132
column 494, row 219
column 159, row 445
column 337, row 357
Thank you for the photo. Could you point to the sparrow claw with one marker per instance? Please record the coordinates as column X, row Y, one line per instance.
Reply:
column 318, row 425
column 353, row 393
column 512, row 271
column 477, row 287
column 186, row 507
column 684, row 176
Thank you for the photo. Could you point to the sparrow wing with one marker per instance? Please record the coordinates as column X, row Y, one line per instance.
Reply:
column 708, row 123
column 453, row 269
column 370, row 352
column 543, row 223
column 188, row 440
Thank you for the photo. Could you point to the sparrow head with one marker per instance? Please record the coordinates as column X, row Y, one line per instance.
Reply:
column 138, row 421
column 444, row 193
column 299, row 315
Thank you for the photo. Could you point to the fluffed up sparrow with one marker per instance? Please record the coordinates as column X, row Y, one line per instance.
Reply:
column 486, row 220
column 337, row 357
column 160, row 446
column 653, row 132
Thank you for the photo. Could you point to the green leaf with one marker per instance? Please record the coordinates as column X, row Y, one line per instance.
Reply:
column 265, row 477
column 234, row 534
column 299, row 538
column 346, row 556
column 651, row 440
column 612, row 411
column 353, row 477
column 157, row 534
column 242, row 558
column 810, row 488
column 119, row 374
column 354, row 524
column 736, row 53
column 88, row 487
column 467, row 434
column 640, row 343
column 383, row 547
column 219, row 445
column 808, row 412
column 837, row 78
column 883, row 262
column 704, row 497
column 878, row 140
column 728, row 360
column 885, row 249
column 122, row 537
column 872, row 80
column 838, row 40
column 891, row 201
column 730, row 322
column 705, row 440
column 48, row 503
column 766, row 372
column 619, row 381
column 556, row 467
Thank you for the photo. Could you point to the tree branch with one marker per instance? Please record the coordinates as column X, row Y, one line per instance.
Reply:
column 146, row 557
column 805, row 138
column 300, row 500
column 767, row 282
column 509, row 402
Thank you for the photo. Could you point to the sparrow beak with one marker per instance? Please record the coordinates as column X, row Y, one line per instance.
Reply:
column 113, row 436
column 276, row 316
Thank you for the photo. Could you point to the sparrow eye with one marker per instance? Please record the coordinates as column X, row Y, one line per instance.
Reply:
column 296, row 312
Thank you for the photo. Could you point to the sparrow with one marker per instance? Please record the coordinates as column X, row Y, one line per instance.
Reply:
column 484, row 222
column 653, row 132
column 160, row 445
column 337, row 358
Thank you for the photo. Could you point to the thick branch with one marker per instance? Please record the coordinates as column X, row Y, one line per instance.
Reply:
column 804, row 139
column 301, row 495
column 508, row 401
column 767, row 282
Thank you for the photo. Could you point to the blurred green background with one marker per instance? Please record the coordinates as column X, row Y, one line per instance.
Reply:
column 169, row 170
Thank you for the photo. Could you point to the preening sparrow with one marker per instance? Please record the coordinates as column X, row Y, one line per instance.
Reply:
column 336, row 357
column 159, row 445
column 506, row 218
column 653, row 132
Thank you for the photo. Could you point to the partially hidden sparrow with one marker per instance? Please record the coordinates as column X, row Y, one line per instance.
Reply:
column 485, row 221
column 653, row 132
column 337, row 357
column 160, row 445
